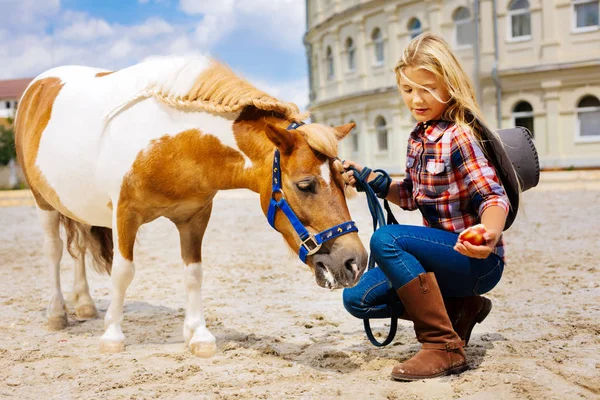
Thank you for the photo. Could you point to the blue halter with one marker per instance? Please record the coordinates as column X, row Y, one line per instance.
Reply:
column 309, row 243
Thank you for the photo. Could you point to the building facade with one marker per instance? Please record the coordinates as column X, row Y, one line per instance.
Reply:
column 10, row 93
column 536, row 63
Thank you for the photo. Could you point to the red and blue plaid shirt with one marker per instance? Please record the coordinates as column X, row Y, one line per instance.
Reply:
column 449, row 179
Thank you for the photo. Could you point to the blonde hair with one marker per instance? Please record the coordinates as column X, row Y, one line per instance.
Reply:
column 431, row 53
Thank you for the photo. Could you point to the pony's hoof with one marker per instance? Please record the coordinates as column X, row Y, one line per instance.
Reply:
column 57, row 323
column 87, row 311
column 203, row 349
column 112, row 347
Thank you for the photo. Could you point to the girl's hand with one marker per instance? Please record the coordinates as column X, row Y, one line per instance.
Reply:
column 482, row 251
column 351, row 179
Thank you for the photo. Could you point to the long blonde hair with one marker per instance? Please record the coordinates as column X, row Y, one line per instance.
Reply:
column 431, row 53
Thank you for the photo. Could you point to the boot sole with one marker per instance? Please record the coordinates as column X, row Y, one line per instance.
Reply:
column 485, row 310
column 453, row 371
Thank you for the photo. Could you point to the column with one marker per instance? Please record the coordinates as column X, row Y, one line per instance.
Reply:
column 553, row 136
column 361, row 53
column 337, row 65
column 393, row 30
column 434, row 10
column 364, row 140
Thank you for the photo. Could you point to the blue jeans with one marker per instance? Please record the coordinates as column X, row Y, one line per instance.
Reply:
column 402, row 253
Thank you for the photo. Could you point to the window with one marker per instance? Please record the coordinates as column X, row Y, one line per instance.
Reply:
column 588, row 117
column 354, row 139
column 519, row 19
column 465, row 28
column 7, row 105
column 351, row 54
column 414, row 28
column 329, row 61
column 523, row 115
column 378, row 46
column 586, row 14
column 382, row 134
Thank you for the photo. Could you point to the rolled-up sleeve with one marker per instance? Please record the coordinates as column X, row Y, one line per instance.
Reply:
column 405, row 193
column 476, row 174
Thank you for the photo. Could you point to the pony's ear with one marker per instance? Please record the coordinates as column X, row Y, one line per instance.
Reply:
column 343, row 130
column 281, row 138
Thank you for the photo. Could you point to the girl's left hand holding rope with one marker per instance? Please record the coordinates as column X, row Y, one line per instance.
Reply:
column 483, row 251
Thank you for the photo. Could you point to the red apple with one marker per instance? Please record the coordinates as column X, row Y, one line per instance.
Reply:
column 473, row 235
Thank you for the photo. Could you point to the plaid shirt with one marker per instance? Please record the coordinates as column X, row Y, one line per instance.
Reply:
column 449, row 179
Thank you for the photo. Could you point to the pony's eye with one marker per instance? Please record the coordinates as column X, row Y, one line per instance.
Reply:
column 306, row 186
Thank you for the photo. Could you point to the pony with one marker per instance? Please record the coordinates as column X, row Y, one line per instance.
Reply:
column 105, row 152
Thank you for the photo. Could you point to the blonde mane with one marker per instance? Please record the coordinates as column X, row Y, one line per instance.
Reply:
column 217, row 90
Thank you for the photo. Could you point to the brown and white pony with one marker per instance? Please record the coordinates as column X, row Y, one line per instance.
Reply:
column 106, row 152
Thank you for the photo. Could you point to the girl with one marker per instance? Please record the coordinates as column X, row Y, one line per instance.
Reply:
column 437, row 275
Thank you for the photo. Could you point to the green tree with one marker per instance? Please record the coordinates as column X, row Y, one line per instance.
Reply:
column 7, row 142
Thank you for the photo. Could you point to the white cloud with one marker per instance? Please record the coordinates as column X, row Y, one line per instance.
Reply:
column 280, row 22
column 89, row 29
column 27, row 15
column 153, row 27
column 43, row 36
column 195, row 7
column 295, row 91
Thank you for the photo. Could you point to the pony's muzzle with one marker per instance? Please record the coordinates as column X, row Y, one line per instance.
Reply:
column 336, row 275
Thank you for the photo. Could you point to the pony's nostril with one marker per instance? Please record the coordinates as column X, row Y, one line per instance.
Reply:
column 351, row 268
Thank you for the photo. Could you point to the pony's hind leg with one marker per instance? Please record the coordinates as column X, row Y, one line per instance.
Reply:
column 53, row 247
column 84, row 305
column 197, row 337
column 123, row 271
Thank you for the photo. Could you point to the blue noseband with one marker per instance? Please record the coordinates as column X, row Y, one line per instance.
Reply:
column 309, row 243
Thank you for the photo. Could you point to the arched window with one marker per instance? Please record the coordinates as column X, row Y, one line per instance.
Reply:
column 329, row 61
column 586, row 14
column 465, row 28
column 382, row 133
column 523, row 115
column 377, row 38
column 414, row 28
column 354, row 139
column 588, row 117
column 519, row 18
column 351, row 54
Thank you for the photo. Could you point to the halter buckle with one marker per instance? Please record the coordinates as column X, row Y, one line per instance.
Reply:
column 277, row 191
column 311, row 245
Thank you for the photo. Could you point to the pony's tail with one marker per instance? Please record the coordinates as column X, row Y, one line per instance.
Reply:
column 98, row 240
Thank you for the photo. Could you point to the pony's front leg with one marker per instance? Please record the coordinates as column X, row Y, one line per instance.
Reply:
column 123, row 271
column 197, row 337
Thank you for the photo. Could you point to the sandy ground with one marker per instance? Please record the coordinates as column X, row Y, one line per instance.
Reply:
column 280, row 336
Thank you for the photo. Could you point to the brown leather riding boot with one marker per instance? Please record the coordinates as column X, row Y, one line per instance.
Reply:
column 465, row 312
column 442, row 351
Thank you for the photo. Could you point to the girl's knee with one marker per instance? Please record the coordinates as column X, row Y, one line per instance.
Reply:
column 352, row 299
column 382, row 238
column 389, row 237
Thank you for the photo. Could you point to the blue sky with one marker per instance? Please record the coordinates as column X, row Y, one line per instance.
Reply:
column 260, row 39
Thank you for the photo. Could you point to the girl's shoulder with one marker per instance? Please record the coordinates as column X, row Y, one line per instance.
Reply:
column 460, row 134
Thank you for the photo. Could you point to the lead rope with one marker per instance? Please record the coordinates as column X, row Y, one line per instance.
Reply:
column 380, row 186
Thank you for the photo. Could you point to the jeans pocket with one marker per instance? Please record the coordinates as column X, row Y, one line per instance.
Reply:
column 486, row 282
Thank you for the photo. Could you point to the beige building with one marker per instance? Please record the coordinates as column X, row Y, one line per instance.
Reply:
column 536, row 64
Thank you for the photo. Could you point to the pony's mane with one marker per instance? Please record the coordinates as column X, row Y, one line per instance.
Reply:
column 219, row 90
column 320, row 138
